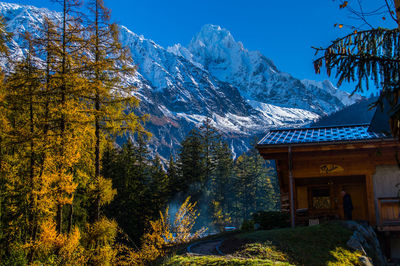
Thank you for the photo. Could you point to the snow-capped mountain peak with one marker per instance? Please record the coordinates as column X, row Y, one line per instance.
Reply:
column 212, row 36
column 242, row 91
column 216, row 49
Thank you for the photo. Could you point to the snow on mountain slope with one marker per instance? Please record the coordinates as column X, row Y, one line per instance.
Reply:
column 242, row 91
column 327, row 86
column 20, row 19
column 256, row 76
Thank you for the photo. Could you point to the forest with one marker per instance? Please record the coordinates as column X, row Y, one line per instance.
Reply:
column 69, row 194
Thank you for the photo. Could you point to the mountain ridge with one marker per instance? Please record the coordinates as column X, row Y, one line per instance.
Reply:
column 241, row 91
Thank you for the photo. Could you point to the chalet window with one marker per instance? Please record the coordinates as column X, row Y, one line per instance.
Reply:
column 320, row 198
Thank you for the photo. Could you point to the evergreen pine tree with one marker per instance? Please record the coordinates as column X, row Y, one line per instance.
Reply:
column 176, row 182
column 210, row 139
column 160, row 185
column 220, row 186
column 192, row 164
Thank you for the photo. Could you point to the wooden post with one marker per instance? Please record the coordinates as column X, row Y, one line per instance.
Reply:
column 291, row 187
column 370, row 199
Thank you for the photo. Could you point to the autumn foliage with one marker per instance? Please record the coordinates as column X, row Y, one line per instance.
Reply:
column 68, row 195
column 165, row 233
column 59, row 107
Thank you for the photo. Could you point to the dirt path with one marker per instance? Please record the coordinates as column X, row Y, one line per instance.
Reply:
column 210, row 247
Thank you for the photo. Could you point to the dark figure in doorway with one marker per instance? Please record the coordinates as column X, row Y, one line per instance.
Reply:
column 347, row 205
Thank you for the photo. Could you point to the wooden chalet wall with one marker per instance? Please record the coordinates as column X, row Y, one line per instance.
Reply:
column 333, row 161
column 386, row 189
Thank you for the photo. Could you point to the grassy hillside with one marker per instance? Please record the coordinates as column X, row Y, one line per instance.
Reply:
column 214, row 260
column 317, row 245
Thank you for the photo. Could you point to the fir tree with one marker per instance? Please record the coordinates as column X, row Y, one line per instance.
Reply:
column 159, row 186
column 176, row 182
column 368, row 55
column 130, row 171
column 210, row 138
column 192, row 165
column 244, row 185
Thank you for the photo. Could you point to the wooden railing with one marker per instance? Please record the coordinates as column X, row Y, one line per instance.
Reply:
column 285, row 204
column 389, row 211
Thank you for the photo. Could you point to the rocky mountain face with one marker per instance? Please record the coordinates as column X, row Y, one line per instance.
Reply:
column 241, row 91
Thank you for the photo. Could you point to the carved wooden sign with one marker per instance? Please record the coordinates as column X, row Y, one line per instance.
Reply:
column 330, row 168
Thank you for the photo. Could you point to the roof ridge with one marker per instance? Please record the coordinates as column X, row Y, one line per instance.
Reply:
column 320, row 127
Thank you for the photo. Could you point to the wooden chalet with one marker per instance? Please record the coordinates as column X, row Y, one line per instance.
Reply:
column 314, row 164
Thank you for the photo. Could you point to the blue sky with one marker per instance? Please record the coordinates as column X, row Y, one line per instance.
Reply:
column 283, row 31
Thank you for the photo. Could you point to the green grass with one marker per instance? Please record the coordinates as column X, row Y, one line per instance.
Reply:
column 323, row 244
column 215, row 260
column 265, row 250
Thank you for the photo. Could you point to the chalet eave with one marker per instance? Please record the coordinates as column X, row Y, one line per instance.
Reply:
column 271, row 151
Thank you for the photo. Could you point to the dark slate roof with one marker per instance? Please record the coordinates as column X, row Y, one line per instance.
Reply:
column 347, row 133
column 380, row 121
column 361, row 121
column 359, row 113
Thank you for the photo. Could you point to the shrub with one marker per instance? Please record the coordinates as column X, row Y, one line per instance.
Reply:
column 271, row 219
column 247, row 225
column 99, row 241
column 164, row 233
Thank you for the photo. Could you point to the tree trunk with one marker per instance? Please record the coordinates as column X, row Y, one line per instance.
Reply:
column 62, row 119
column 32, row 155
column 32, row 251
column 70, row 219
column 59, row 218
column 97, row 122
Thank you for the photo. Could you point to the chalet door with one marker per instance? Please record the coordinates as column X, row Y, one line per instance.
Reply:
column 359, row 200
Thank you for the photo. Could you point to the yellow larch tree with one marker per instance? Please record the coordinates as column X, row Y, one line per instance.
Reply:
column 112, row 100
